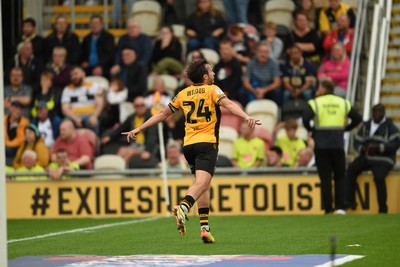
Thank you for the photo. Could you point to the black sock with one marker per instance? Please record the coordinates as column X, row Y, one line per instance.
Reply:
column 187, row 203
column 203, row 213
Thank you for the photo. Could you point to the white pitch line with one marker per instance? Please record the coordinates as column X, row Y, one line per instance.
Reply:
column 78, row 230
column 340, row 261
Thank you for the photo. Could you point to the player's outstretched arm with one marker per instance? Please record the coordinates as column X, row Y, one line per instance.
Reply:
column 235, row 109
column 161, row 116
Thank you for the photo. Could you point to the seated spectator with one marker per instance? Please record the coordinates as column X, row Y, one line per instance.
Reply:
column 376, row 142
column 145, row 145
column 308, row 8
column 274, row 156
column 62, row 165
column 59, row 68
column 290, row 144
column 204, row 27
column 97, row 49
column 29, row 164
column 29, row 34
column 343, row 34
column 30, row 65
column 17, row 91
column 248, row 150
column 14, row 126
column 228, row 71
column 135, row 40
column 132, row 73
column 306, row 158
column 243, row 46
column 62, row 36
column 336, row 69
column 175, row 159
column 82, row 101
column 157, row 95
column 77, row 146
column 34, row 142
column 306, row 38
column 167, row 53
column 297, row 76
column 262, row 77
column 328, row 16
column 49, row 126
column 275, row 44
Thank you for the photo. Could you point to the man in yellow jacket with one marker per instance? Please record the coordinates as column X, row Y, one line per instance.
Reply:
column 328, row 16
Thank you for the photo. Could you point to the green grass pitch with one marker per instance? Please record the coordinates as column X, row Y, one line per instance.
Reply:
column 378, row 235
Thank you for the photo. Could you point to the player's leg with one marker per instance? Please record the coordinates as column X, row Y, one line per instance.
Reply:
column 203, row 204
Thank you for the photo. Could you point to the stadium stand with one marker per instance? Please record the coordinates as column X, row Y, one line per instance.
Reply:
column 109, row 162
column 148, row 14
column 265, row 110
column 227, row 136
column 279, row 12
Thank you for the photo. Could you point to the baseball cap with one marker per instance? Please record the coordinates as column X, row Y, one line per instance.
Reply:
column 17, row 104
column 41, row 104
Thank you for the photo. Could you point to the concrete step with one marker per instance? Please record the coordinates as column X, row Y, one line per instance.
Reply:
column 391, row 113
column 390, row 88
column 390, row 99
column 390, row 93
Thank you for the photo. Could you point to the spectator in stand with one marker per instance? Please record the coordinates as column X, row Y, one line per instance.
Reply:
column 308, row 8
column 30, row 65
column 377, row 142
column 228, row 71
column 343, row 34
column 62, row 36
column 29, row 161
column 137, row 41
column 48, row 125
column 167, row 53
column 328, row 16
column 306, row 158
column 297, row 76
column 290, row 144
column 262, row 77
column 275, row 44
column 145, row 145
column 157, row 94
column 183, row 8
column 175, row 159
column 14, row 126
column 59, row 68
column 243, row 46
column 306, row 38
column 62, row 165
column 204, row 27
column 77, row 146
column 82, row 101
column 132, row 73
column 274, row 157
column 336, row 69
column 248, row 150
column 236, row 11
column 17, row 91
column 29, row 34
column 97, row 49
column 33, row 141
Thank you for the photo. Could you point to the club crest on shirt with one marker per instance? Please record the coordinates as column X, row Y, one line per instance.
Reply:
column 218, row 91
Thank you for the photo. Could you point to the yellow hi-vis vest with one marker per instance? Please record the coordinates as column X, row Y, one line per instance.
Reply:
column 330, row 112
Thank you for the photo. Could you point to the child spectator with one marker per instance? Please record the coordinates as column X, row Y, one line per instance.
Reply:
column 275, row 44
column 274, row 156
column 62, row 165
column 243, row 46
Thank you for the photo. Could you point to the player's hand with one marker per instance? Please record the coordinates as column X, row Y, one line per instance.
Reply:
column 130, row 135
column 252, row 122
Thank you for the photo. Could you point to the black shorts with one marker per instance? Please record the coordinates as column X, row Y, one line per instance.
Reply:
column 201, row 156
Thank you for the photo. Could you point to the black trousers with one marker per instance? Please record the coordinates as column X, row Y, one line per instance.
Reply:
column 379, row 169
column 331, row 163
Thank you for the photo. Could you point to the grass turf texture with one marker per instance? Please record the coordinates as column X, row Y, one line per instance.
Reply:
column 378, row 235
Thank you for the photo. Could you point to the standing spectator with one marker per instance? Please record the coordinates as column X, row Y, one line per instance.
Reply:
column 29, row 34
column 49, row 126
column 377, row 142
column 328, row 16
column 167, row 53
column 330, row 114
column 33, row 141
column 228, row 71
column 61, row 165
column 82, row 101
column 59, row 68
column 62, row 36
column 132, row 73
column 297, row 76
column 274, row 157
column 183, row 8
column 248, row 150
column 243, row 46
column 204, row 27
column 134, row 39
column 343, row 34
column 275, row 44
column 17, row 91
column 29, row 161
column 236, row 11
column 336, row 69
column 97, row 49
column 308, row 8
column 262, row 77
column 77, row 146
column 306, row 158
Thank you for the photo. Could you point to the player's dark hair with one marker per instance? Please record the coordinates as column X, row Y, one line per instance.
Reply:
column 196, row 70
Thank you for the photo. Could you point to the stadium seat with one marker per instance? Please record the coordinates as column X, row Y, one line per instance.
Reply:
column 264, row 134
column 229, row 119
column 293, row 108
column 265, row 110
column 179, row 32
column 211, row 56
column 279, row 12
column 109, row 162
column 227, row 137
column 101, row 81
column 219, row 5
column 125, row 109
column 148, row 14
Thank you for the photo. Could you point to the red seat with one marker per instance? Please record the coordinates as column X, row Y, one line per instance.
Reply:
column 229, row 119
